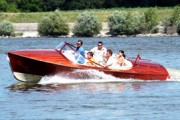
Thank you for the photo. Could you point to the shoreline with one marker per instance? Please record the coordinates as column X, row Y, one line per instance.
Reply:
column 29, row 30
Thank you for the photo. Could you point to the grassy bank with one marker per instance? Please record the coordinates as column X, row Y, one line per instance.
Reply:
column 71, row 15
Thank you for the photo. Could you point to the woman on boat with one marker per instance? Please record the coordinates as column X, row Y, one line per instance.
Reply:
column 121, row 58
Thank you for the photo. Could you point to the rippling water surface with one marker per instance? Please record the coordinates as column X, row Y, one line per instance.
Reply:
column 98, row 96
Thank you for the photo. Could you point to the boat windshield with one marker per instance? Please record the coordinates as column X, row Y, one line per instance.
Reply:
column 68, row 51
column 60, row 46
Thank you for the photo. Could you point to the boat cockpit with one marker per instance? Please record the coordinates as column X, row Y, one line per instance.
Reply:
column 70, row 53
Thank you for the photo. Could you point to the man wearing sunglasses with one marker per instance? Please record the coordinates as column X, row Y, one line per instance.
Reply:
column 99, row 52
column 81, row 52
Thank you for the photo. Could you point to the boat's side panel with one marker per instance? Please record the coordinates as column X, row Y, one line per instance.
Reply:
column 32, row 66
column 46, row 55
column 138, row 75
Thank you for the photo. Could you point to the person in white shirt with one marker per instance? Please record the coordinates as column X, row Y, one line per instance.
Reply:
column 111, row 60
column 99, row 52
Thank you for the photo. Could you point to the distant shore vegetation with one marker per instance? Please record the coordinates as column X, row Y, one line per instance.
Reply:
column 121, row 21
column 71, row 15
column 6, row 29
column 52, row 5
column 87, row 25
column 54, row 25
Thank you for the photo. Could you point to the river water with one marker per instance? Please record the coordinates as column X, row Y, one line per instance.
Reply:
column 103, row 97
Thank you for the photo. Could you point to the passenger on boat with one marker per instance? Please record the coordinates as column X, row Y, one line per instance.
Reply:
column 91, row 61
column 123, row 63
column 99, row 52
column 81, row 52
column 111, row 61
column 121, row 58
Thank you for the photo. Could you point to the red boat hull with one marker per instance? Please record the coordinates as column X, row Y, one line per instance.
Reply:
column 39, row 63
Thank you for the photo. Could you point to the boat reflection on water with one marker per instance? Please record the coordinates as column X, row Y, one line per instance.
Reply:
column 23, row 86
column 88, row 87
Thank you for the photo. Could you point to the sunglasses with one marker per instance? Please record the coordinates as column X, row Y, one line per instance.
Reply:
column 78, row 43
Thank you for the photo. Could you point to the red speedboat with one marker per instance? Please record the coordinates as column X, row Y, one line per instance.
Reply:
column 32, row 65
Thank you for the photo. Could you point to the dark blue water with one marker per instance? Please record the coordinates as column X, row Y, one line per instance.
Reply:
column 103, row 97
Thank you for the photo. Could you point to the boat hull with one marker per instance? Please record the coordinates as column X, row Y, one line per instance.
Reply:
column 25, row 77
column 31, row 66
column 32, row 70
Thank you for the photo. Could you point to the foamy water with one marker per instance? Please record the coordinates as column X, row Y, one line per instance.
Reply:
column 174, row 74
column 81, row 76
column 94, row 76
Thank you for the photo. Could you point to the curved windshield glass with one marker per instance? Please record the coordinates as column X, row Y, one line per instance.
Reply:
column 60, row 46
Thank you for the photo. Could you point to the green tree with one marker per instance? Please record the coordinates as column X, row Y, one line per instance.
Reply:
column 175, row 17
column 178, row 28
column 74, row 5
column 165, row 3
column 82, row 4
column 27, row 5
column 94, row 4
column 126, row 24
column 12, row 8
column 134, row 3
column 3, row 5
column 117, row 23
column 150, row 18
column 135, row 23
column 22, row 5
column 110, row 3
column 55, row 25
column 87, row 25
column 51, row 5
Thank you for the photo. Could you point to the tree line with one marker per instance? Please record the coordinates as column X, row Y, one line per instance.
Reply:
column 88, row 25
column 51, row 5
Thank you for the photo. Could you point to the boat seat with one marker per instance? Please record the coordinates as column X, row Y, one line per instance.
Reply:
column 69, row 54
column 128, row 65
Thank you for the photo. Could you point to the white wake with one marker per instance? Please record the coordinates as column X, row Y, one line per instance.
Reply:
column 94, row 76
column 174, row 74
column 81, row 76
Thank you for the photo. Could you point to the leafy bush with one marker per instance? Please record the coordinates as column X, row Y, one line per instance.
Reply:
column 178, row 28
column 134, row 23
column 171, row 23
column 55, row 25
column 87, row 25
column 12, row 8
column 6, row 28
column 125, row 24
column 117, row 23
column 3, row 5
column 150, row 18
column 175, row 16
column 173, row 19
column 45, row 27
